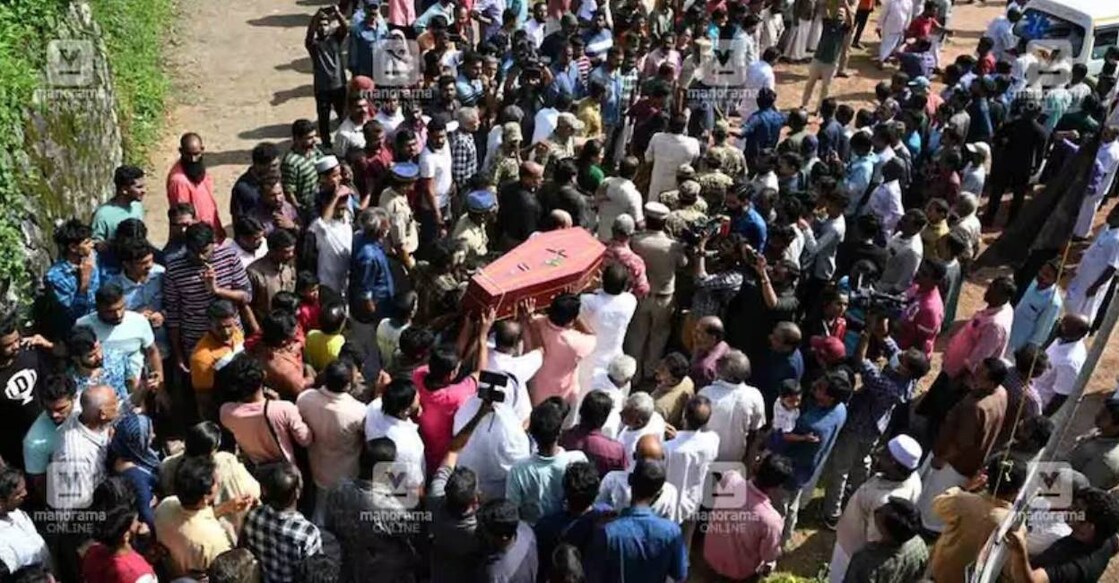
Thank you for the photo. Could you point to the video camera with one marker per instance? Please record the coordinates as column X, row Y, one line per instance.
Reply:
column 709, row 229
column 876, row 302
column 491, row 386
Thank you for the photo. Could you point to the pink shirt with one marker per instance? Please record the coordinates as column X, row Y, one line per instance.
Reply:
column 437, row 419
column 920, row 321
column 338, row 420
column 634, row 264
column 564, row 348
column 402, row 13
column 984, row 336
column 246, row 422
column 747, row 535
column 201, row 196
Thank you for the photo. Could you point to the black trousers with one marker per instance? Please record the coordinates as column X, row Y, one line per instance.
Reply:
column 861, row 17
column 999, row 185
column 325, row 101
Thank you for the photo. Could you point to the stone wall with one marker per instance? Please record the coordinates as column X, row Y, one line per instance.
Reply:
column 72, row 141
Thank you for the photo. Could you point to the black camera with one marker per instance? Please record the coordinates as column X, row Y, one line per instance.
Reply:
column 876, row 302
column 699, row 230
column 491, row 386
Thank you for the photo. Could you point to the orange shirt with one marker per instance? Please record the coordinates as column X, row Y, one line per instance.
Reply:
column 210, row 355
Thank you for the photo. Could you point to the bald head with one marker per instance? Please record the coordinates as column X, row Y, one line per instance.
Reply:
column 709, row 331
column 99, row 405
column 649, row 447
column 785, row 337
column 561, row 219
column 1073, row 327
column 531, row 169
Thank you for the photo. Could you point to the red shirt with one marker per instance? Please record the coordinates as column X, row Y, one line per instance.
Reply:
column 921, row 27
column 201, row 196
column 373, row 171
column 921, row 319
column 437, row 419
column 308, row 316
column 986, row 64
column 103, row 565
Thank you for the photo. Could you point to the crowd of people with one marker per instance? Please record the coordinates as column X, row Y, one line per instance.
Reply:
column 303, row 397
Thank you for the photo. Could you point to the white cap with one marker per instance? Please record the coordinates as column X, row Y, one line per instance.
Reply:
column 906, row 451
column 326, row 164
column 622, row 368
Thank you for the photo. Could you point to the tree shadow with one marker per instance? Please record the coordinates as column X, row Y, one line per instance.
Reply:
column 228, row 158
column 285, row 95
column 300, row 65
column 282, row 20
column 276, row 131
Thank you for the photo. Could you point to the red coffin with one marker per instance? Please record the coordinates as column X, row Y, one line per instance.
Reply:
column 540, row 268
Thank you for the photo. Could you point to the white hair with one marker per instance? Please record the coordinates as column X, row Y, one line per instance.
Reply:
column 641, row 404
column 622, row 368
column 733, row 367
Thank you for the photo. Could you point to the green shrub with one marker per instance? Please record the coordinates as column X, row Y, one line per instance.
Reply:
column 134, row 32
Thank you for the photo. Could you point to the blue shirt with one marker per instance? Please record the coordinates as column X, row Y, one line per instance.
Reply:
column 612, row 98
column 566, row 81
column 67, row 303
column 751, row 226
column 437, row 9
column 370, row 274
column 808, row 457
column 856, row 181
column 147, row 296
column 114, row 373
column 761, row 132
column 832, row 138
column 774, row 369
column 637, row 547
column 363, row 40
column 868, row 413
column 39, row 445
column 467, row 91
column 1034, row 317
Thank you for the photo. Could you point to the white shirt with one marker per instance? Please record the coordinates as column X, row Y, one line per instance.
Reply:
column 784, row 419
column 614, row 492
column 1001, row 32
column 20, row 544
column 759, row 75
column 437, row 166
column 885, row 203
column 601, row 382
column 522, row 368
column 388, row 340
column 905, row 256
column 77, row 466
column 856, row 526
column 535, row 32
column 348, row 137
column 687, row 459
column 1108, row 158
column 389, row 122
column 1065, row 361
column 247, row 257
column 493, row 143
column 499, row 441
column 133, row 336
column 608, row 317
column 544, row 123
column 736, row 411
column 404, row 433
column 667, row 151
column 621, row 197
column 895, row 16
column 335, row 240
column 629, row 437
column 1103, row 253
column 831, row 234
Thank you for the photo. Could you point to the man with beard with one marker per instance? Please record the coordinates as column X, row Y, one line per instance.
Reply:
column 204, row 274
column 274, row 212
column 249, row 188
column 189, row 182
column 179, row 217
column 333, row 229
column 445, row 101
column 23, row 366
column 128, row 333
column 89, row 365
column 297, row 168
column 371, row 167
column 436, row 185
column 350, row 136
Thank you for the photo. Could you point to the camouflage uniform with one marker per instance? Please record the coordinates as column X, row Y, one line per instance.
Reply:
column 731, row 160
column 684, row 215
column 713, row 187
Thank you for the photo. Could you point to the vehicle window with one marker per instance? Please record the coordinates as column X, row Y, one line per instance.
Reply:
column 1105, row 39
column 1038, row 25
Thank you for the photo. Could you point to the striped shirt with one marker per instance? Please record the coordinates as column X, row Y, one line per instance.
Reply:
column 185, row 297
column 78, row 464
column 299, row 178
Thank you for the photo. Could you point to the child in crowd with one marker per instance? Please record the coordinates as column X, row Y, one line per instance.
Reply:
column 389, row 330
column 325, row 343
column 787, row 407
column 307, row 288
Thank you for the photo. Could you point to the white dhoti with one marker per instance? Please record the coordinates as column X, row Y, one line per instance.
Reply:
column 1078, row 302
column 839, row 561
column 814, row 33
column 934, row 483
column 798, row 44
column 890, row 42
column 1088, row 210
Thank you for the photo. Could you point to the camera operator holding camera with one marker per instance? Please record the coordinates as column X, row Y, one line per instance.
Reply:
column 921, row 319
column 767, row 296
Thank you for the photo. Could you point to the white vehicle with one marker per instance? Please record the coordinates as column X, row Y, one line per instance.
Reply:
column 1082, row 30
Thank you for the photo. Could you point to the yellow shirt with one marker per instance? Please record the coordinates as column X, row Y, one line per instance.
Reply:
column 590, row 113
column 193, row 538
column 969, row 519
column 210, row 355
column 930, row 239
column 322, row 348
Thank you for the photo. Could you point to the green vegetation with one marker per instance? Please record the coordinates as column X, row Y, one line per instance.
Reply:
column 134, row 31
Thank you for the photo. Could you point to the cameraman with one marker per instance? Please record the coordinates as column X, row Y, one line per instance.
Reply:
column 921, row 319
column 767, row 296
column 714, row 291
column 499, row 440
